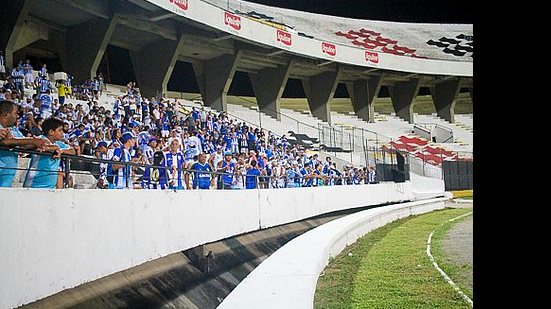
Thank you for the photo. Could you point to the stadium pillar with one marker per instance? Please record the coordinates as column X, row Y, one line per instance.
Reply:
column 403, row 95
column 471, row 93
column 214, row 77
column 12, row 22
column 87, row 44
column 154, row 64
column 444, row 95
column 319, row 91
column 362, row 94
column 268, row 86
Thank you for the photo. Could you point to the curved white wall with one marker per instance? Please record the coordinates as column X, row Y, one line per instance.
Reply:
column 288, row 277
column 246, row 28
column 57, row 239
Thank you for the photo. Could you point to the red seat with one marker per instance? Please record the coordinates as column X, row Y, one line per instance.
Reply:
column 374, row 42
column 370, row 32
column 385, row 40
column 391, row 51
column 404, row 49
column 369, row 46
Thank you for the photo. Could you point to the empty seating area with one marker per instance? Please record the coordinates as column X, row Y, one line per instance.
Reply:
column 372, row 40
column 424, row 150
column 386, row 130
column 462, row 129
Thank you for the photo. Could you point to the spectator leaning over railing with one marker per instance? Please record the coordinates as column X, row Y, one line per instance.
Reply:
column 202, row 178
column 100, row 152
column 251, row 181
column 174, row 161
column 44, row 170
column 120, row 172
column 155, row 177
column 10, row 136
column 227, row 166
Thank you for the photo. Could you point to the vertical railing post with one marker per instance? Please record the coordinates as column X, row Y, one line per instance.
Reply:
column 259, row 118
column 67, row 172
column 128, row 172
column 353, row 137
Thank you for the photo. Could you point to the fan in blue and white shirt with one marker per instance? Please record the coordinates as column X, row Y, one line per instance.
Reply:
column 149, row 150
column 174, row 161
column 121, row 173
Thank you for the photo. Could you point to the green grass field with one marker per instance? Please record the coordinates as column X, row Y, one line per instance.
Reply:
column 389, row 268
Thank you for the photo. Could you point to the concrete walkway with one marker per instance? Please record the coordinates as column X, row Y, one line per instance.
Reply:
column 458, row 248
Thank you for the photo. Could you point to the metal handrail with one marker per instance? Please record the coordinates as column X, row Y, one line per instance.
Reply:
column 93, row 160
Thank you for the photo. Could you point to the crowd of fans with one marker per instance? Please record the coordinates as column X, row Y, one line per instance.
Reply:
column 178, row 148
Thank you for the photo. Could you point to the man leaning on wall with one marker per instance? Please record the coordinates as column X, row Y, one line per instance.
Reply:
column 10, row 136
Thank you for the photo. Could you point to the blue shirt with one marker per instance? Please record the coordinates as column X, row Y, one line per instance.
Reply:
column 227, row 178
column 8, row 162
column 250, row 180
column 293, row 178
column 44, row 85
column 201, row 179
column 251, row 136
column 195, row 114
column 189, row 153
column 154, row 178
column 45, row 102
column 43, row 169
column 269, row 154
column 165, row 125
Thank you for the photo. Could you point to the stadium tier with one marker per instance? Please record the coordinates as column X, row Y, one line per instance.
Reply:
column 161, row 171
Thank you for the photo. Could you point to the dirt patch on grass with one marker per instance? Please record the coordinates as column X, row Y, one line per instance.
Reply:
column 458, row 249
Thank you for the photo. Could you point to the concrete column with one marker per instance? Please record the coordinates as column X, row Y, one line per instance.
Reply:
column 12, row 23
column 154, row 64
column 444, row 95
column 214, row 77
column 319, row 91
column 362, row 94
column 268, row 86
column 86, row 44
column 58, row 40
column 403, row 95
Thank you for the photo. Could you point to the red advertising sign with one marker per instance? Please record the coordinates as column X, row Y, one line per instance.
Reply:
column 232, row 20
column 182, row 4
column 284, row 37
column 328, row 48
column 371, row 57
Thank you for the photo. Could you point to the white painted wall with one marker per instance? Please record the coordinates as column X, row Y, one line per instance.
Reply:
column 309, row 202
column 57, row 239
column 288, row 278
column 210, row 15
column 426, row 187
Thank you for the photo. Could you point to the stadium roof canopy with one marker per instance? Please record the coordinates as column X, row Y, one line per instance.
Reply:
column 220, row 37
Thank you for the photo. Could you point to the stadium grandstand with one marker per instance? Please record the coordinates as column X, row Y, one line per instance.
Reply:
column 137, row 195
